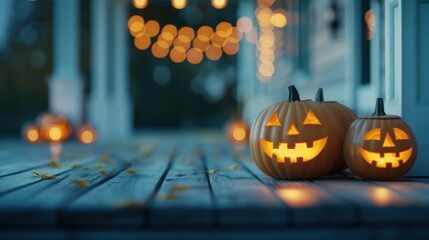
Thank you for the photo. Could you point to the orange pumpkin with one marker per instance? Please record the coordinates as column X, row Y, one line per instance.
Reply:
column 380, row 146
column 295, row 139
column 344, row 116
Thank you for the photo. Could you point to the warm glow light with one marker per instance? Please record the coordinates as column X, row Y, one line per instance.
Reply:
column 244, row 24
column 381, row 196
column 292, row 130
column 181, row 46
column 266, row 3
column 186, row 34
column 87, row 134
column 179, row 4
column 235, row 36
column 142, row 42
column 239, row 134
column 231, row 48
column 140, row 4
column 311, row 119
column 299, row 152
column 135, row 24
column 201, row 45
column 266, row 69
column 55, row 133
column 224, row 29
column 177, row 56
column 33, row 135
column 388, row 158
column 158, row 51
column 217, row 40
column 278, row 19
column 267, row 56
column 273, row 121
column 262, row 78
column 264, row 16
column 169, row 32
column 204, row 33
column 219, row 4
column 299, row 197
column 252, row 36
column 152, row 28
column 194, row 56
column 213, row 53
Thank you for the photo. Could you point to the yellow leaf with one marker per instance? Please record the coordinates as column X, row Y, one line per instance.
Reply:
column 81, row 182
column 233, row 166
column 167, row 196
column 213, row 171
column 180, row 188
column 75, row 165
column 104, row 172
column 38, row 174
column 46, row 177
column 54, row 163
column 132, row 171
column 99, row 165
column 127, row 204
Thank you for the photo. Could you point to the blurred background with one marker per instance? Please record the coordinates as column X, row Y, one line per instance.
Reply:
column 124, row 65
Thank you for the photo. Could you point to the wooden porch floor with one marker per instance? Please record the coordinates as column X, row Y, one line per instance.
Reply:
column 192, row 186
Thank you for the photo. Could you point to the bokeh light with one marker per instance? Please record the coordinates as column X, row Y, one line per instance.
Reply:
column 219, row 4
column 179, row 4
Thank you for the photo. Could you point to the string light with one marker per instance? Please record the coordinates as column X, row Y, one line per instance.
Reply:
column 140, row 4
column 179, row 4
column 219, row 4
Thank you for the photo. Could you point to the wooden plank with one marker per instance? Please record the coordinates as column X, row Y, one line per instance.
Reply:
column 309, row 203
column 120, row 200
column 37, row 204
column 376, row 204
column 240, row 198
column 184, row 198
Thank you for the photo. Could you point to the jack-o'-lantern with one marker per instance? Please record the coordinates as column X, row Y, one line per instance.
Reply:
column 380, row 146
column 237, row 132
column 295, row 139
column 344, row 116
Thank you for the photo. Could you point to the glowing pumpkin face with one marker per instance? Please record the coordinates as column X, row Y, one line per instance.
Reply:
column 303, row 151
column 380, row 146
column 295, row 139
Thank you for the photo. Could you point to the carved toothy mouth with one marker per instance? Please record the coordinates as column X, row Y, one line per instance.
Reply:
column 391, row 158
column 300, row 153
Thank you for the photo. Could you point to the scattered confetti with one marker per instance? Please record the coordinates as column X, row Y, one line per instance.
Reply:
column 213, row 171
column 167, row 196
column 132, row 171
column 104, row 172
column 180, row 188
column 233, row 166
column 54, row 163
column 81, row 182
column 129, row 204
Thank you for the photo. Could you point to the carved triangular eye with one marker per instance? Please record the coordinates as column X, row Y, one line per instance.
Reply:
column 400, row 134
column 273, row 121
column 311, row 119
column 374, row 134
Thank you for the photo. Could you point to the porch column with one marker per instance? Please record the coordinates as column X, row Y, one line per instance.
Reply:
column 65, row 84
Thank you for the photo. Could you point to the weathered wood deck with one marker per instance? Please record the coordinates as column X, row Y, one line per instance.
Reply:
column 193, row 187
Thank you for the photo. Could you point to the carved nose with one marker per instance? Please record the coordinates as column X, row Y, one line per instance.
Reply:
column 292, row 130
column 388, row 142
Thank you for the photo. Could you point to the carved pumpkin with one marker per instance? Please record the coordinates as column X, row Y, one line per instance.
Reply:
column 295, row 139
column 344, row 116
column 380, row 146
column 237, row 132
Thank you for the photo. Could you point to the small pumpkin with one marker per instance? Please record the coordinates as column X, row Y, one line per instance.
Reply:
column 295, row 139
column 344, row 116
column 237, row 132
column 380, row 146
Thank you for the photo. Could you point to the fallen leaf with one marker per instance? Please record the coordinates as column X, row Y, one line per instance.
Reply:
column 75, row 165
column 233, row 166
column 46, row 177
column 54, row 163
column 104, row 172
column 180, row 188
column 81, row 182
column 38, row 174
column 129, row 204
column 213, row 171
column 99, row 165
column 131, row 171
column 167, row 196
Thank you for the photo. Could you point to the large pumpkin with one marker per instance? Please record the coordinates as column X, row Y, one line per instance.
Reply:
column 380, row 146
column 295, row 139
column 344, row 116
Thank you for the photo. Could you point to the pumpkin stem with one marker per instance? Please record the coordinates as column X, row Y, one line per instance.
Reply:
column 293, row 94
column 319, row 95
column 379, row 108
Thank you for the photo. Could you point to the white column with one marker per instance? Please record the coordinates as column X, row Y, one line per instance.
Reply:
column 98, row 105
column 122, row 102
column 65, row 85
